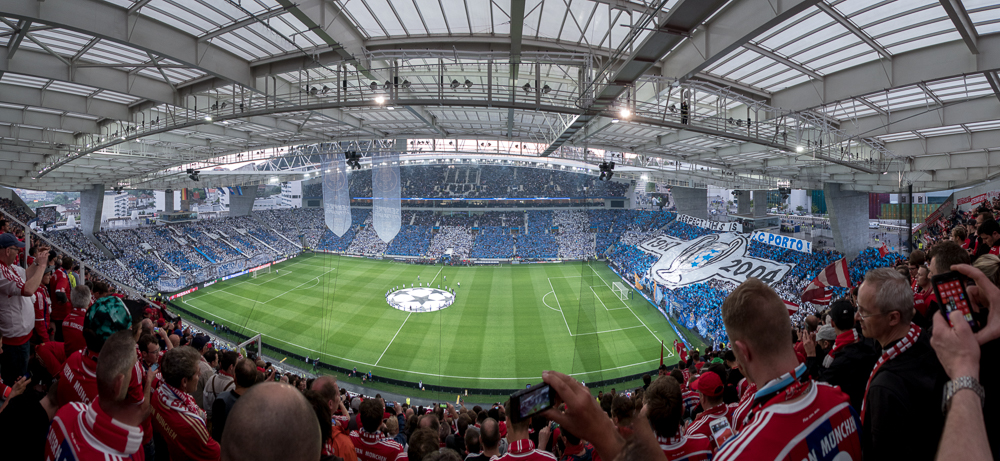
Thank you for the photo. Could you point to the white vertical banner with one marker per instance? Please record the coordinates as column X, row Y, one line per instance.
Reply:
column 386, row 213
column 336, row 194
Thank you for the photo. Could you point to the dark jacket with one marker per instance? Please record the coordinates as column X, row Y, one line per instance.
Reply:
column 903, row 418
column 220, row 412
column 850, row 369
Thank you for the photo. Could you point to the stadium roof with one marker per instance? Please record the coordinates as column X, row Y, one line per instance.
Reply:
column 872, row 94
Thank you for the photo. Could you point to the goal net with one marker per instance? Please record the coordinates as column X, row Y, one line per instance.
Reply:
column 261, row 271
column 620, row 290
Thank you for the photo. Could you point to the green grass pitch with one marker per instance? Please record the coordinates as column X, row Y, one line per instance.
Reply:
column 507, row 324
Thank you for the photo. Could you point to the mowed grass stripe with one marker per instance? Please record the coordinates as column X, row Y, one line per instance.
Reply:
column 498, row 328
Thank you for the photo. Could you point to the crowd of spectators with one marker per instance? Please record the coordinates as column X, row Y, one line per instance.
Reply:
column 19, row 212
column 493, row 242
column 458, row 239
column 410, row 241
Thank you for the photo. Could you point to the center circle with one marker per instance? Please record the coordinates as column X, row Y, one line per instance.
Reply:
column 421, row 299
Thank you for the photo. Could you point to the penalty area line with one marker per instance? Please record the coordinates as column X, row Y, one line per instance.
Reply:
column 393, row 338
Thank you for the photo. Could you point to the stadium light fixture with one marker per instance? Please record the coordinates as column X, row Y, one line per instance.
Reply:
column 546, row 89
column 373, row 86
column 379, row 100
column 208, row 118
column 625, row 113
column 455, row 84
column 800, row 149
column 406, row 83
column 615, row 120
column 468, row 83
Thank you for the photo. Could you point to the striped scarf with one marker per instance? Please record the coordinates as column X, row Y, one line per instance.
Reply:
column 179, row 401
column 900, row 347
column 843, row 339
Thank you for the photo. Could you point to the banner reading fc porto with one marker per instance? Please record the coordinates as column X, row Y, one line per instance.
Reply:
column 336, row 194
column 790, row 243
column 709, row 257
column 386, row 214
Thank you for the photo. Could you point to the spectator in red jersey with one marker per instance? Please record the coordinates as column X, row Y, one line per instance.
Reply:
column 273, row 421
column 17, row 316
column 924, row 290
column 848, row 364
column 149, row 349
column 61, row 293
column 339, row 442
column 72, row 326
column 520, row 446
column 917, row 258
column 77, row 380
column 109, row 426
column 793, row 417
column 960, row 236
column 989, row 232
column 664, row 410
column 176, row 416
column 904, row 388
column 43, row 308
column 576, row 449
column 369, row 442
column 713, row 421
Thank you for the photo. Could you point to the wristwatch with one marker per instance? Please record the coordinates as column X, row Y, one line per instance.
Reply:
column 957, row 384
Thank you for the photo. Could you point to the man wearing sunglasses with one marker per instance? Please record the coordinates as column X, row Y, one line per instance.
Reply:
column 17, row 316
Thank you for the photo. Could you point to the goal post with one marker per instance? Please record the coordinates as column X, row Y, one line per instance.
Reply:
column 620, row 290
column 261, row 271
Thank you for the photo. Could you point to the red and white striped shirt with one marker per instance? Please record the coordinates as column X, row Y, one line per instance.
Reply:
column 820, row 424
column 85, row 432
column 686, row 447
column 702, row 424
column 376, row 447
column 740, row 410
column 17, row 316
column 525, row 450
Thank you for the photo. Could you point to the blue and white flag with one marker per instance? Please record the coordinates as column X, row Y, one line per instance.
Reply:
column 336, row 194
column 386, row 213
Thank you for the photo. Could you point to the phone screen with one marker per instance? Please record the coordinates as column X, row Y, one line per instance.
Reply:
column 444, row 405
column 950, row 290
column 532, row 401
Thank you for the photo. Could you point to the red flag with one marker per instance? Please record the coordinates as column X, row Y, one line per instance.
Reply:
column 835, row 275
column 792, row 307
column 883, row 250
column 661, row 352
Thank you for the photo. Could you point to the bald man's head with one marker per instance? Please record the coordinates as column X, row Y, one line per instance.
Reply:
column 272, row 421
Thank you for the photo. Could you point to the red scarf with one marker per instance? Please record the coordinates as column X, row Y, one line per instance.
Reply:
column 843, row 339
column 179, row 401
column 900, row 347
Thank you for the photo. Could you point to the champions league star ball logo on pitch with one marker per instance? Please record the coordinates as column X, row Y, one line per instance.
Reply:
column 420, row 299
column 709, row 257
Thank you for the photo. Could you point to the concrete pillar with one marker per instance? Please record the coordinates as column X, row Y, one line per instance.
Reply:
column 242, row 205
column 692, row 202
column 168, row 201
column 848, row 212
column 91, row 207
column 759, row 203
column 743, row 202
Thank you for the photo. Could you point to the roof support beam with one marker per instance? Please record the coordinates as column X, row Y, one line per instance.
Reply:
column 241, row 24
column 871, row 105
column 680, row 21
column 783, row 60
column 924, row 65
column 516, row 34
column 960, row 17
column 739, row 23
column 849, row 25
column 19, row 33
column 991, row 77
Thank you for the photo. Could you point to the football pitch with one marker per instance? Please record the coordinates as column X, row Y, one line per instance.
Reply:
column 506, row 326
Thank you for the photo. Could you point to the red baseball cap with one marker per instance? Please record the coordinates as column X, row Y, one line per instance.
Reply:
column 709, row 383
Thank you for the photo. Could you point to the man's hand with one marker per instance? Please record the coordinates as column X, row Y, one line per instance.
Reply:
column 986, row 295
column 543, row 437
column 956, row 346
column 808, row 342
column 19, row 386
column 582, row 417
column 43, row 255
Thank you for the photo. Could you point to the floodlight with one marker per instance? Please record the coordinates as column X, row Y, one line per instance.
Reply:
column 468, row 83
column 455, row 84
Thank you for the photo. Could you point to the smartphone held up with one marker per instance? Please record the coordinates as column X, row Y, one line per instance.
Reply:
column 950, row 288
